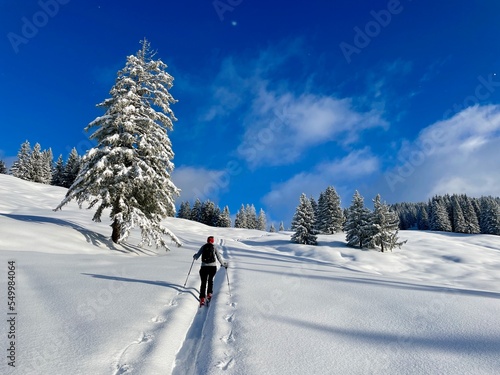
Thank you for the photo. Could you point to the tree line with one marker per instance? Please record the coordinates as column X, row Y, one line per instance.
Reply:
column 456, row 213
column 37, row 165
column 210, row 214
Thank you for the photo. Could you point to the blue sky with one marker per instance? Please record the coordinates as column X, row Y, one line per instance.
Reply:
column 275, row 98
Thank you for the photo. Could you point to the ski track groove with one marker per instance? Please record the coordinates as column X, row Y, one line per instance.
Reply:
column 228, row 339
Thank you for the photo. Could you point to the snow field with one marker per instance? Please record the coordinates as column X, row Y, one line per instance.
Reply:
column 87, row 306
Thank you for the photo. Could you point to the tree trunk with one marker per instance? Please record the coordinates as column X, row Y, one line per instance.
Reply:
column 116, row 231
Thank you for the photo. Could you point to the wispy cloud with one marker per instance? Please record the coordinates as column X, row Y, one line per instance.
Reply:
column 281, row 127
column 341, row 173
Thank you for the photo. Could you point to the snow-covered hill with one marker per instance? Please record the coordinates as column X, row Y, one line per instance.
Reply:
column 86, row 306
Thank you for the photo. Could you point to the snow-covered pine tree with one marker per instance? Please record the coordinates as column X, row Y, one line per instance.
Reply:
column 357, row 225
column 21, row 166
column 331, row 216
column 35, row 171
column 440, row 220
column 490, row 216
column 272, row 229
column 72, row 168
column 196, row 210
column 241, row 218
column 470, row 215
column 281, row 227
column 261, row 220
column 47, row 166
column 225, row 218
column 303, row 223
column 3, row 167
column 385, row 224
column 129, row 170
column 251, row 217
column 423, row 216
column 58, row 174
column 184, row 211
column 210, row 213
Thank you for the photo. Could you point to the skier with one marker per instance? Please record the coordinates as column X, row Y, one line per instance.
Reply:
column 208, row 268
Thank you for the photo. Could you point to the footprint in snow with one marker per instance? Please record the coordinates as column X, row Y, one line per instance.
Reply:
column 226, row 364
column 228, row 338
column 228, row 318
column 145, row 338
column 157, row 319
column 123, row 369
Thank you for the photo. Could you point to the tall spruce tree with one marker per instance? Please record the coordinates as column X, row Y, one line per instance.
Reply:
column 210, row 213
column 47, row 166
column 303, row 223
column 470, row 215
column 196, row 211
column 225, row 218
column 21, row 167
column 58, row 175
column 184, row 211
column 261, row 220
column 241, row 218
column 330, row 215
column 72, row 168
column 129, row 170
column 385, row 224
column 440, row 219
column 35, row 171
column 251, row 217
column 357, row 226
column 490, row 216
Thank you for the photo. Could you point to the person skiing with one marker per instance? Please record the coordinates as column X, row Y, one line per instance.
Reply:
column 208, row 253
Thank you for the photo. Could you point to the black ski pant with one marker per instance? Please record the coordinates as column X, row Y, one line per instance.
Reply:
column 207, row 274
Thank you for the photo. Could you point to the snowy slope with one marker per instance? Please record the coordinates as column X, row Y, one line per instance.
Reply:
column 86, row 306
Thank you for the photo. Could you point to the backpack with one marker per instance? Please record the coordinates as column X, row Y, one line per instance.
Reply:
column 208, row 254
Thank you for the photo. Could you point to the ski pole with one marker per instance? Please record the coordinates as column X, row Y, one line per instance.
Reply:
column 188, row 273
column 227, row 277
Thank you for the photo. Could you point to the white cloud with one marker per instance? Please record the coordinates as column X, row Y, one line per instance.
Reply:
column 281, row 127
column 200, row 183
column 457, row 155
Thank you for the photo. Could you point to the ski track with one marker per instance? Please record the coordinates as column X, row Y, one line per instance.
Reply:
column 209, row 343
column 202, row 352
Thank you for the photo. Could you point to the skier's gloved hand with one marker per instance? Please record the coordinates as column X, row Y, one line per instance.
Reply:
column 195, row 257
